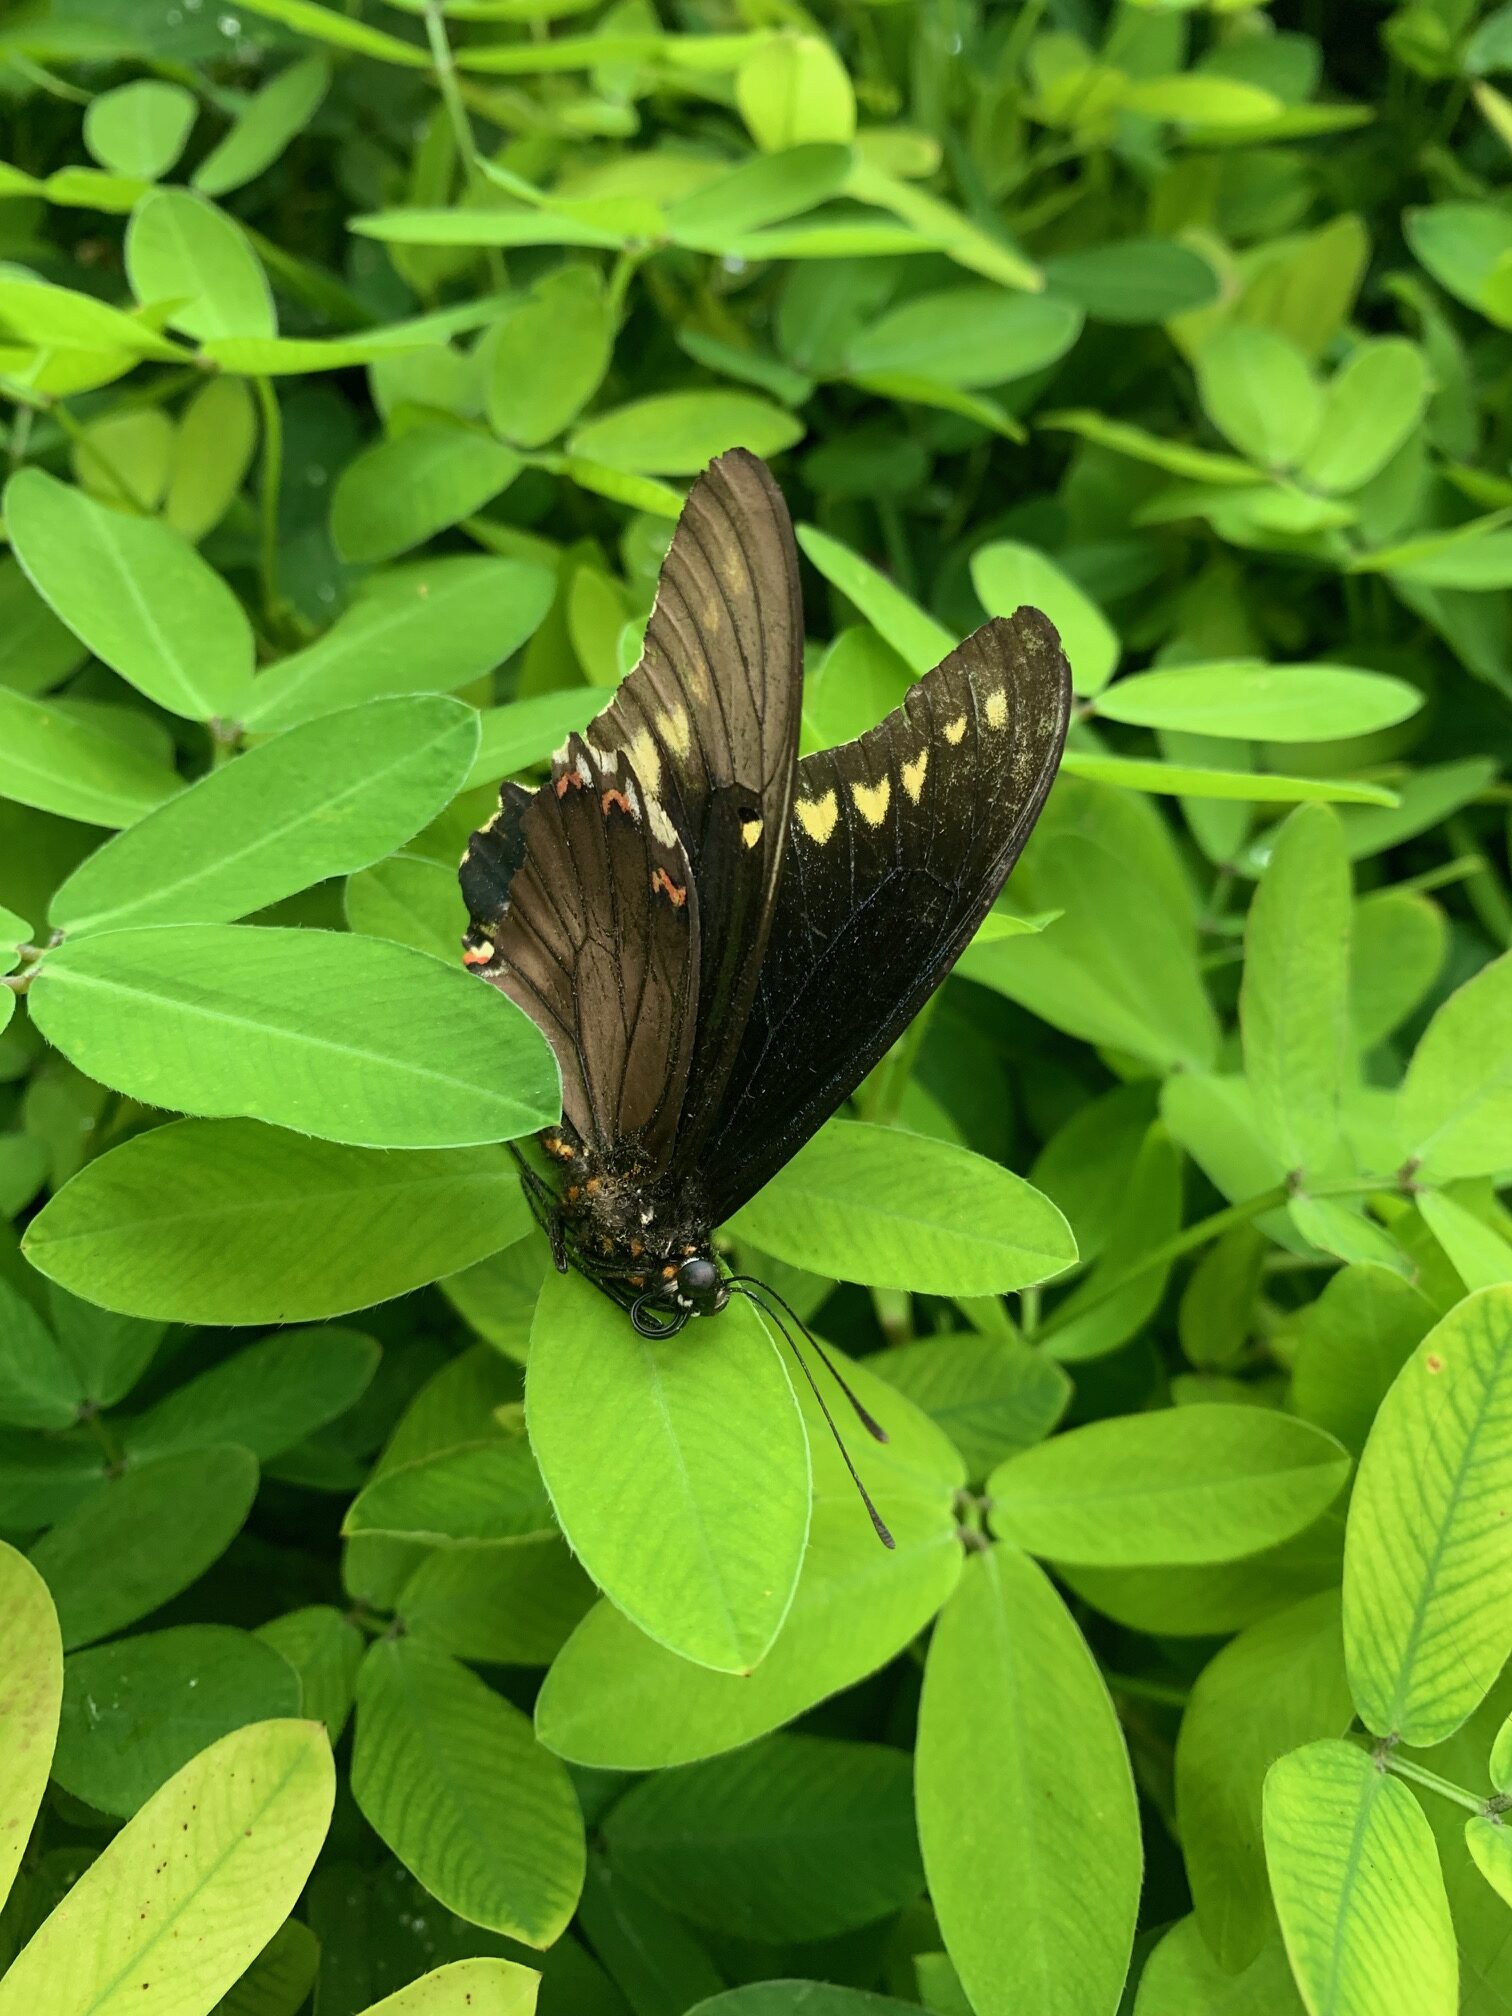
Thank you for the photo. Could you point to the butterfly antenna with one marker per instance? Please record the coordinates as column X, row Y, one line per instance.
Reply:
column 867, row 1419
column 738, row 1283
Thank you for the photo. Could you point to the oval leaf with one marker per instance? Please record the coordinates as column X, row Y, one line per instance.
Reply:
column 1245, row 700
column 136, row 593
column 449, row 1774
column 678, row 433
column 1428, row 1551
column 228, row 1222
column 895, row 1210
column 1025, row 1792
column 1184, row 1486
column 325, row 799
column 182, row 250
column 1457, row 1098
column 31, row 1661
column 678, row 1469
column 352, row 1039
column 1358, row 1888
column 186, row 1896
column 400, row 492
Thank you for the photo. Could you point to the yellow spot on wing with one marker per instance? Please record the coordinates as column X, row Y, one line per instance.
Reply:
column 817, row 816
column 997, row 708
column 872, row 800
column 913, row 775
column 750, row 831
column 645, row 759
column 673, row 725
column 954, row 730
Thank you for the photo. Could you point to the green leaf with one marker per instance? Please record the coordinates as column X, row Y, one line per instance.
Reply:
column 800, row 1998
column 1134, row 280
column 992, row 1395
column 1185, row 780
column 279, row 1981
column 31, row 1658
column 212, row 451
column 1244, row 699
column 762, row 190
column 182, row 250
column 918, row 640
column 39, row 1388
column 1181, row 1978
column 616, row 1699
column 968, row 336
column 525, row 732
column 449, row 1775
column 1463, row 245
column 1186, row 1485
column 323, row 799
column 1397, row 951
column 678, row 433
column 265, row 1398
column 324, row 24
column 1478, row 1254
column 142, row 1537
column 465, row 1988
column 404, row 490
column 1358, row 1887
column 325, row 1650
column 694, row 1520
column 58, row 762
column 1428, row 1544
column 894, row 1210
column 481, row 1491
column 410, row 900
column 1259, row 391
column 1372, row 406
column 136, row 593
column 1199, row 99
column 264, row 126
column 1456, row 1101
column 430, row 627
column 793, row 89
column 548, row 356
column 352, row 1039
column 136, row 1711
column 56, row 318
column 515, row 1605
column 1101, row 1314
column 224, row 1221
column 1007, row 575
column 791, row 1838
column 1490, row 1848
column 37, row 652
column 1279, row 1684
column 1025, row 1792
column 139, row 129
column 1352, row 1343
column 1294, row 1005
column 182, row 1901
column 1425, row 798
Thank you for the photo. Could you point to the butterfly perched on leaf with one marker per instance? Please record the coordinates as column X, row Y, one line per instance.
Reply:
column 718, row 939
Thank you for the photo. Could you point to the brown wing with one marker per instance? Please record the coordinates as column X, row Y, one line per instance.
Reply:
column 706, row 728
column 709, row 721
column 898, row 845
column 586, row 916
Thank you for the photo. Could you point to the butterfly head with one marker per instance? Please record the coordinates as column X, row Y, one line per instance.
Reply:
column 694, row 1288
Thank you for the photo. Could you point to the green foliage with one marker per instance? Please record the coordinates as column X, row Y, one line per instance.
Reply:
column 384, row 1624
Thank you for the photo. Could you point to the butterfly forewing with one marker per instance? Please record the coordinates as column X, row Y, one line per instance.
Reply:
column 898, row 845
column 701, row 743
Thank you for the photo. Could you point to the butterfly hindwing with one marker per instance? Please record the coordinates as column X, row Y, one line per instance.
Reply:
column 597, row 940
column 898, row 845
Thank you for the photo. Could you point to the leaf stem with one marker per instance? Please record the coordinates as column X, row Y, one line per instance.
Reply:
column 1445, row 1787
column 1214, row 1227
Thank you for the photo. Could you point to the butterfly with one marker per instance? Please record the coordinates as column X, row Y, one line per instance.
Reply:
column 720, row 940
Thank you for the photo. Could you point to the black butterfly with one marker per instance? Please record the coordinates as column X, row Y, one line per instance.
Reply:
column 718, row 940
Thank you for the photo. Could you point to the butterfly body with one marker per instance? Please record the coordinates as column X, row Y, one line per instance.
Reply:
column 718, row 939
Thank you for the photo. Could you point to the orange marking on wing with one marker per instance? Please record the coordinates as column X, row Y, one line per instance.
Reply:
column 568, row 777
column 663, row 881
column 615, row 798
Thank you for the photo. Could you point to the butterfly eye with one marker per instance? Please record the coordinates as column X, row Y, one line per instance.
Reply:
column 700, row 1285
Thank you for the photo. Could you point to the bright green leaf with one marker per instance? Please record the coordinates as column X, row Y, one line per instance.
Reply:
column 678, row 433
column 181, row 249
column 31, row 1658
column 1456, row 1103
column 264, row 126
column 1006, row 575
column 1429, row 1547
column 140, row 128
column 402, row 491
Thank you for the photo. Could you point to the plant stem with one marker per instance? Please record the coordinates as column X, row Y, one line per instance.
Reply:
column 446, row 79
column 1445, row 1787
column 1213, row 1228
column 272, row 483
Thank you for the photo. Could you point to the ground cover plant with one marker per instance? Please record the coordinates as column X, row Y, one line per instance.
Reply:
column 382, row 1622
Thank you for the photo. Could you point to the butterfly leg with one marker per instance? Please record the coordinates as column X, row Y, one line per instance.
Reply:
column 544, row 1207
